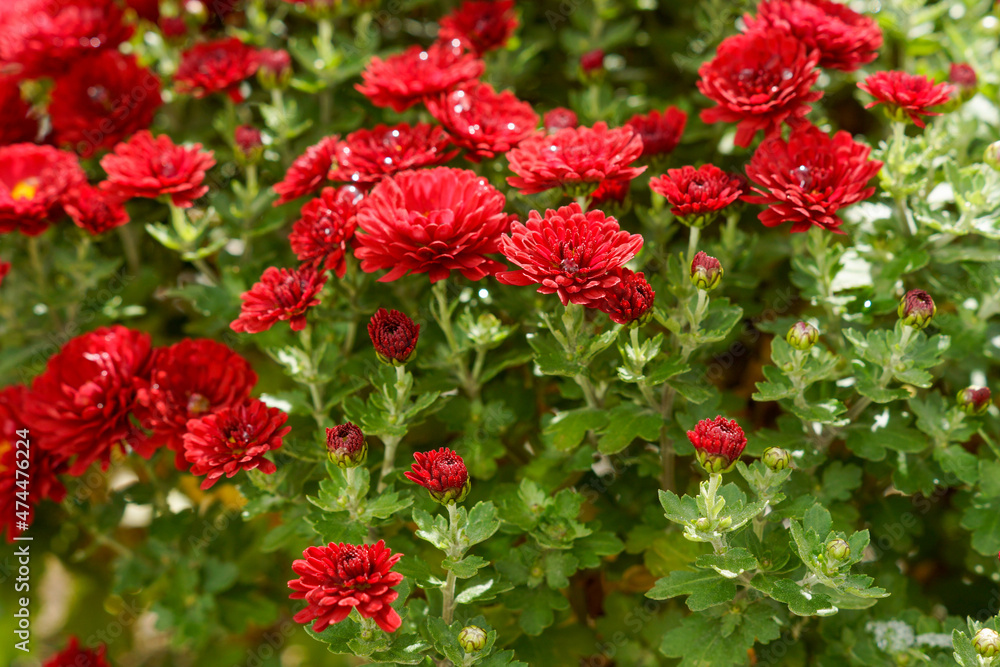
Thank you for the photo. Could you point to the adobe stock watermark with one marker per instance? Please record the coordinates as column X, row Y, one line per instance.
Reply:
column 22, row 552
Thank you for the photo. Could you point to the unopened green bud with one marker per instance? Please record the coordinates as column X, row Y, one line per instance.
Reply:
column 703, row 525
column 991, row 155
column 776, row 458
column 838, row 549
column 472, row 639
column 987, row 643
column 802, row 336
column 724, row 523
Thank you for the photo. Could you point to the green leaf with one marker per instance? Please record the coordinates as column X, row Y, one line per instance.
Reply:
column 432, row 529
column 982, row 517
column 627, row 422
column 465, row 568
column 664, row 370
column 567, row 429
column 385, row 505
column 446, row 639
column 800, row 601
column 483, row 522
column 679, row 509
column 955, row 460
column 704, row 588
column 730, row 564
column 486, row 590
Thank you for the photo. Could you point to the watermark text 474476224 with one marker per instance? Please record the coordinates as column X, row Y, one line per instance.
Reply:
column 22, row 552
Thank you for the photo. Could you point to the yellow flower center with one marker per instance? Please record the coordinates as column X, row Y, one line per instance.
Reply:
column 25, row 189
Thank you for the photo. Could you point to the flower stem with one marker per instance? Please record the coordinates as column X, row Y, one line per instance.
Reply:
column 392, row 442
column 448, row 604
column 693, row 239
column 442, row 314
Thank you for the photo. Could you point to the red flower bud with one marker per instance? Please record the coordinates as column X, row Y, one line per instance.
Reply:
column 346, row 446
column 592, row 60
column 963, row 76
column 394, row 336
column 916, row 309
column 974, row 400
column 630, row 302
column 718, row 443
column 559, row 119
column 706, row 271
column 443, row 473
column 249, row 145
column 275, row 68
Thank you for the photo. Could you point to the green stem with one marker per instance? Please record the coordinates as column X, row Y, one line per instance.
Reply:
column 693, row 239
column 442, row 314
column 448, row 604
column 392, row 442
column 315, row 388
column 324, row 47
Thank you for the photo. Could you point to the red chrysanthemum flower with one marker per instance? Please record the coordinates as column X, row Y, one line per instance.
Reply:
column 807, row 179
column 573, row 156
column 480, row 25
column 101, row 100
column 559, row 119
column 217, row 66
column 4, row 270
column 916, row 309
column 482, row 121
column 308, row 171
column 697, row 195
column 79, row 406
column 338, row 577
column 346, row 446
column 43, row 37
column 275, row 68
column 187, row 381
column 845, row 39
column 320, row 237
column 151, row 167
column 281, row 295
column 365, row 157
column 249, row 143
column 962, row 75
column 443, row 473
column 630, row 302
column 568, row 252
column 406, row 78
column 38, row 482
column 394, row 336
column 33, row 182
column 17, row 123
column 660, row 132
column 706, row 271
column 432, row 221
column 718, row 443
column 906, row 95
column 234, row 438
column 760, row 80
column 94, row 210
column 610, row 192
column 76, row 656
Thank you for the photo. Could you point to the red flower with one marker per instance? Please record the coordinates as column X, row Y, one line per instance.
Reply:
column 75, row 656
column 660, row 132
column 79, row 406
column 249, row 143
column 17, row 123
column 406, row 78
column 432, row 221
column 592, row 60
column 845, row 39
column 630, row 302
column 394, row 336
column 609, row 192
column 33, row 181
column 308, row 171
column 480, row 25
column 906, row 95
column 482, row 121
column 574, row 156
column 186, row 381
column 338, row 577
column 559, row 119
column 41, row 481
column 760, row 80
column 916, row 309
column 94, row 210
column 320, row 237
column 706, row 271
column 234, row 438
column 718, row 443
column 807, row 179
column 365, row 157
column 697, row 195
column 4, row 270
column 150, row 167
column 148, row 10
column 218, row 66
column 963, row 76
column 569, row 253
column 43, row 37
column 443, row 473
column 101, row 100
column 281, row 295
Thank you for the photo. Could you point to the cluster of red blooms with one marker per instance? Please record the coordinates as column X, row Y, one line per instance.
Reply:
column 192, row 397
